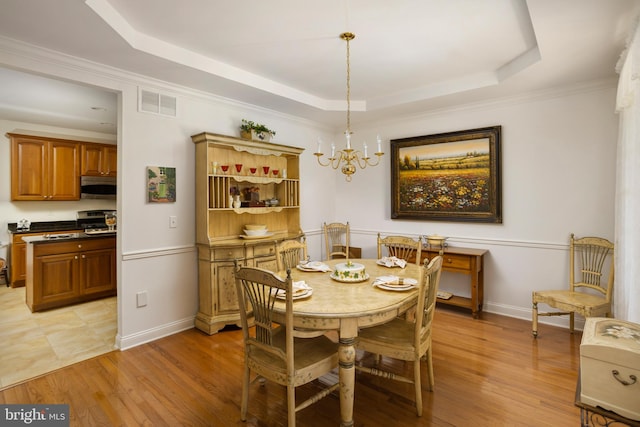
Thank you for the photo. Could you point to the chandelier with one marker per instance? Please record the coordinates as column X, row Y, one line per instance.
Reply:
column 349, row 158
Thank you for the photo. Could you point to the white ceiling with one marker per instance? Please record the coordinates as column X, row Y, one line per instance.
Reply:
column 408, row 56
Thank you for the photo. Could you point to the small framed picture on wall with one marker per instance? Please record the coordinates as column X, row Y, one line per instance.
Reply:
column 161, row 184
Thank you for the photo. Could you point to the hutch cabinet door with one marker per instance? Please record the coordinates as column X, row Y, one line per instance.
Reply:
column 227, row 298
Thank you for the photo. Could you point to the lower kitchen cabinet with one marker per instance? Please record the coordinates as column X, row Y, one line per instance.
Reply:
column 68, row 272
column 19, row 256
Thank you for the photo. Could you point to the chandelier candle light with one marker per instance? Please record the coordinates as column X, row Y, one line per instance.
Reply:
column 349, row 157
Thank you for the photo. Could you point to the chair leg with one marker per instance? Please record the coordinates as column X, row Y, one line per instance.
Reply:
column 428, row 356
column 416, row 382
column 245, row 393
column 534, row 320
column 291, row 405
column 571, row 321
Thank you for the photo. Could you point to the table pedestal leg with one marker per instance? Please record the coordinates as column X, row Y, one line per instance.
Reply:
column 347, row 372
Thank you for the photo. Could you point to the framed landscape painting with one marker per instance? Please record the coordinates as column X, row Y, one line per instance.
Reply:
column 451, row 176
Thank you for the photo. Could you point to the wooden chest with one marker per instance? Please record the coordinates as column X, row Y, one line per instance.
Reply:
column 610, row 366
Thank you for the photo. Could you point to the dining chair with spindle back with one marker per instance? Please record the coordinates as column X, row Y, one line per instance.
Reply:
column 289, row 253
column 270, row 350
column 401, row 247
column 406, row 339
column 337, row 239
column 591, row 259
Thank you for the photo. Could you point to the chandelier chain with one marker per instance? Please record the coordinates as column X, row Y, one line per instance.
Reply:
column 348, row 86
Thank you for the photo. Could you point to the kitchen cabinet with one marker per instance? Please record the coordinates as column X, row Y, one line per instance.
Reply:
column 66, row 272
column 98, row 159
column 19, row 256
column 220, row 225
column 44, row 169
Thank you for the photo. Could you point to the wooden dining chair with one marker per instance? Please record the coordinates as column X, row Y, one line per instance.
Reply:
column 336, row 239
column 270, row 349
column 400, row 247
column 289, row 253
column 407, row 340
column 590, row 259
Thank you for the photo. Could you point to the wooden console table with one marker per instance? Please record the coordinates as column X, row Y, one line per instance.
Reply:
column 467, row 261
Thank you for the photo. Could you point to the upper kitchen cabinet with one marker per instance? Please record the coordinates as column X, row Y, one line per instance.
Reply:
column 98, row 160
column 44, row 168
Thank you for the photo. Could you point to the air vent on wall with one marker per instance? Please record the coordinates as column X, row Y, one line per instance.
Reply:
column 157, row 103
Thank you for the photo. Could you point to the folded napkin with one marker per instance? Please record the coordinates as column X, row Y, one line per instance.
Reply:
column 298, row 288
column 394, row 281
column 391, row 261
column 316, row 266
column 386, row 280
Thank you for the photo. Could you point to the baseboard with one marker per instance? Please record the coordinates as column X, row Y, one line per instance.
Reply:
column 142, row 337
column 525, row 314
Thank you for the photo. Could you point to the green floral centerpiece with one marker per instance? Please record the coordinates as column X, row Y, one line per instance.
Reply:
column 255, row 131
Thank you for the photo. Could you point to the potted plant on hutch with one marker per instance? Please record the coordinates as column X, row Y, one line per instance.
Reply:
column 255, row 131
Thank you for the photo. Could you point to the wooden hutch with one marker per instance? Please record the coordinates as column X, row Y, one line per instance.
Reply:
column 219, row 225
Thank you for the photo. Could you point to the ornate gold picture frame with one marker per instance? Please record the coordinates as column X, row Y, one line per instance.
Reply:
column 451, row 176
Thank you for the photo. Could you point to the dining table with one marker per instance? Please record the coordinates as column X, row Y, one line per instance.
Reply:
column 346, row 307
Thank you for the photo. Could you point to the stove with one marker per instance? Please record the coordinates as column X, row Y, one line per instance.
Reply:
column 93, row 221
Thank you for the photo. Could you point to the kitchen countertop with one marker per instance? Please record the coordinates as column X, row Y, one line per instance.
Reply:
column 56, row 238
column 39, row 227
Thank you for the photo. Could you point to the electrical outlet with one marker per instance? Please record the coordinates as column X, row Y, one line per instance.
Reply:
column 173, row 221
column 141, row 299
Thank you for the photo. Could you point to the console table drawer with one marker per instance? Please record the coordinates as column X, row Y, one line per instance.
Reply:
column 459, row 262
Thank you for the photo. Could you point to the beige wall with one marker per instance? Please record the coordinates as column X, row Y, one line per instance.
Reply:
column 558, row 177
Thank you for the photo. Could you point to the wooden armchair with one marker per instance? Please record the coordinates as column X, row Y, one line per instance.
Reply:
column 407, row 340
column 590, row 258
column 271, row 351
column 401, row 247
column 290, row 252
column 336, row 239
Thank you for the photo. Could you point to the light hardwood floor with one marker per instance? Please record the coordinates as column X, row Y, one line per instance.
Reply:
column 488, row 372
column 36, row 343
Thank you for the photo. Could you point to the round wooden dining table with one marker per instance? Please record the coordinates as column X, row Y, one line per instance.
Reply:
column 346, row 307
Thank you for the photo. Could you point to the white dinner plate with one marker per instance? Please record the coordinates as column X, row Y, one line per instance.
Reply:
column 313, row 266
column 307, row 294
column 398, row 288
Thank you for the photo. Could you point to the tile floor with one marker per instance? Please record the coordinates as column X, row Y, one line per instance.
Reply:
column 36, row 343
